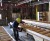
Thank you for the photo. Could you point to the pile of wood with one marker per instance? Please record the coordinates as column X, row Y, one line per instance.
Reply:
column 3, row 35
column 42, row 31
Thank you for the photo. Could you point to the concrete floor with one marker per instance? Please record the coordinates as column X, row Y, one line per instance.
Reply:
column 22, row 35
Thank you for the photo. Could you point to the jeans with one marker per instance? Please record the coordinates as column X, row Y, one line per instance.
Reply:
column 16, row 34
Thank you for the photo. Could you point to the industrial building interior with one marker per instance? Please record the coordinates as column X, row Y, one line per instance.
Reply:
column 34, row 13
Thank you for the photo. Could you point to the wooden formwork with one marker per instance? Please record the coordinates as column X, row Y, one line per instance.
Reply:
column 38, row 30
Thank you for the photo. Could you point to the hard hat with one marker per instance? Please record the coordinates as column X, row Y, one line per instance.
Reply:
column 18, row 20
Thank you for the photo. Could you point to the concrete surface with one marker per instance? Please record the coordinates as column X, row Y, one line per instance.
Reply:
column 22, row 35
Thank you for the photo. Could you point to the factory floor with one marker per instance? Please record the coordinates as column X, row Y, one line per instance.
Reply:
column 22, row 35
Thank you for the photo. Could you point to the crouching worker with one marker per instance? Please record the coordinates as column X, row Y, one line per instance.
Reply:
column 15, row 28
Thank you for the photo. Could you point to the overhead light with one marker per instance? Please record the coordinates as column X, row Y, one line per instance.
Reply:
column 1, row 4
column 38, row 0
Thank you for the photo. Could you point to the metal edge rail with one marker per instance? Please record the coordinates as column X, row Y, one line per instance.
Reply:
column 37, row 34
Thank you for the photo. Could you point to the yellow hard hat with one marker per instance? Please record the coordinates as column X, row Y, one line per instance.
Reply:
column 18, row 20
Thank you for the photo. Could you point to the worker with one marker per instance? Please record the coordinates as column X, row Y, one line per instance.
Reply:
column 15, row 28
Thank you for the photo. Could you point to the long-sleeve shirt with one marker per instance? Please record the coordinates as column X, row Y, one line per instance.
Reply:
column 15, row 24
